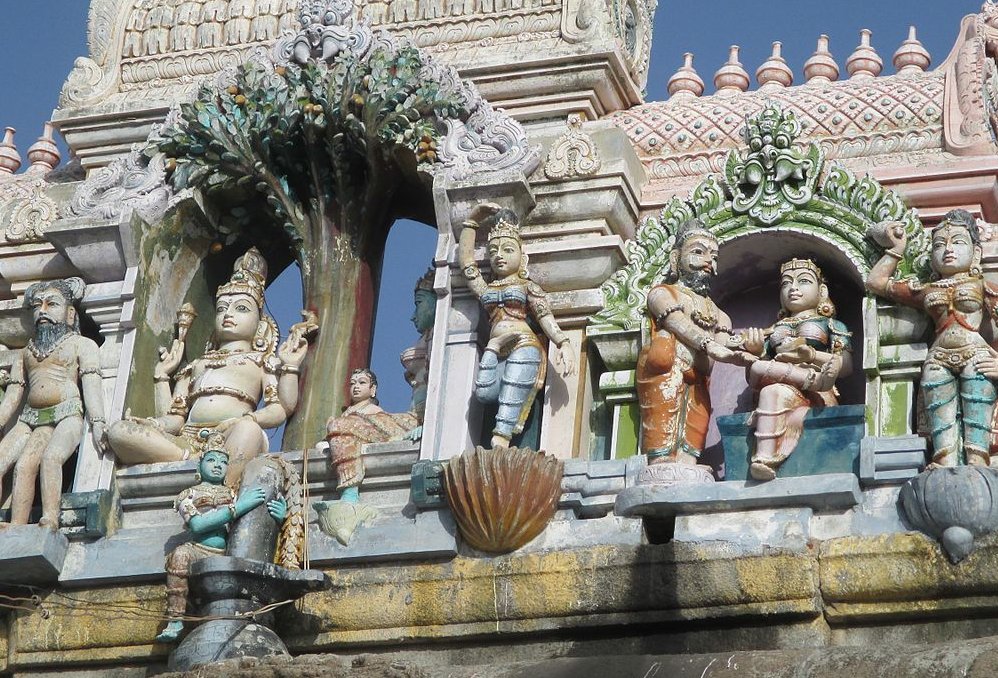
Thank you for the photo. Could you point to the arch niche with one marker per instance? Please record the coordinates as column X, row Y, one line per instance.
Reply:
column 773, row 202
column 311, row 152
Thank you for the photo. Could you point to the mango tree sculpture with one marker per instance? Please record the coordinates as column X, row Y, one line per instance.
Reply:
column 326, row 144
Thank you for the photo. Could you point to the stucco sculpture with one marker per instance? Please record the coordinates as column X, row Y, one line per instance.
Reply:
column 58, row 379
column 221, row 391
column 514, row 364
column 208, row 509
column 673, row 369
column 803, row 353
column 416, row 358
column 959, row 374
column 361, row 423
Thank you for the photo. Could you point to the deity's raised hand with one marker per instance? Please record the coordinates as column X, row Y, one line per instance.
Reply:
column 292, row 351
column 484, row 211
column 169, row 359
column 889, row 235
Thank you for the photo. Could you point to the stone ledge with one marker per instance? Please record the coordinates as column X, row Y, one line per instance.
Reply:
column 30, row 554
column 821, row 492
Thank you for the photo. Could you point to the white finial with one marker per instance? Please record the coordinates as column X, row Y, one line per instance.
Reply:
column 10, row 159
column 732, row 76
column 774, row 72
column 44, row 154
column 686, row 81
column 911, row 57
column 821, row 67
column 864, row 62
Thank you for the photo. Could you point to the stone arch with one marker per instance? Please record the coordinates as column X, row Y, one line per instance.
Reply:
column 774, row 192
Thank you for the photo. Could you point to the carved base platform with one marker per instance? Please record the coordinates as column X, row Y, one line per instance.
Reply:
column 224, row 586
column 824, row 492
column 665, row 475
column 830, row 443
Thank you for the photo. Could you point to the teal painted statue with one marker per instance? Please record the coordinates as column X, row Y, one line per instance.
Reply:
column 960, row 371
column 208, row 509
column 803, row 353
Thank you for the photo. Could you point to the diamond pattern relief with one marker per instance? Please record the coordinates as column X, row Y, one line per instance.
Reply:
column 839, row 109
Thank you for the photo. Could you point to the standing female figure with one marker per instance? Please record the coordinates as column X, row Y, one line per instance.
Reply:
column 960, row 370
column 513, row 366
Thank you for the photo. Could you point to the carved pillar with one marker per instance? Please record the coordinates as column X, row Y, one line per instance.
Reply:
column 111, row 306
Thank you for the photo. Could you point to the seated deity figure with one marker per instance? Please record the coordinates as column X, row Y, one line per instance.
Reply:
column 61, row 370
column 803, row 353
column 361, row 423
column 689, row 333
column 959, row 374
column 208, row 509
column 513, row 366
column 221, row 391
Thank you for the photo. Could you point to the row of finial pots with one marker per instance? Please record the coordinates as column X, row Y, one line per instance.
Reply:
column 911, row 57
column 43, row 153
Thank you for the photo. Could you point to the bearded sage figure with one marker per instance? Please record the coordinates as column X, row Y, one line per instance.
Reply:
column 58, row 379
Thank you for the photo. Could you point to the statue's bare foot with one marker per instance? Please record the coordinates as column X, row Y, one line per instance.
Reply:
column 4, row 526
column 49, row 523
column 171, row 632
column 760, row 471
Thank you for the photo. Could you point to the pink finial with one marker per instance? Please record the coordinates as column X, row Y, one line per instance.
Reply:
column 731, row 77
column 821, row 67
column 686, row 81
column 44, row 154
column 10, row 159
column 864, row 62
column 774, row 72
column 911, row 57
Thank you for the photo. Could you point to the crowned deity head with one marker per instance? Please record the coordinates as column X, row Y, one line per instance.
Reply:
column 956, row 245
column 803, row 290
column 214, row 461
column 239, row 312
column 505, row 249
column 693, row 259
column 425, row 301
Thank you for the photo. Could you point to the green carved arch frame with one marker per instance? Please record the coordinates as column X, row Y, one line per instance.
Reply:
column 792, row 190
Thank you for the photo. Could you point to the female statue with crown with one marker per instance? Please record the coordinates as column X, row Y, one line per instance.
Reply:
column 803, row 353
column 960, row 371
column 222, row 390
column 513, row 367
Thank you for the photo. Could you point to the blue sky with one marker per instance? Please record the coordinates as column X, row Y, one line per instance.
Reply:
column 40, row 39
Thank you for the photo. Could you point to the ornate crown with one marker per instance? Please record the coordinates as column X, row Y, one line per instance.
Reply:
column 425, row 283
column 806, row 264
column 505, row 228
column 249, row 276
column 215, row 443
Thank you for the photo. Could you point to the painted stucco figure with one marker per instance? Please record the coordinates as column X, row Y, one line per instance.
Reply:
column 803, row 353
column 208, row 509
column 960, row 371
column 416, row 358
column 690, row 332
column 57, row 378
column 513, row 368
column 222, row 390
column 361, row 423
